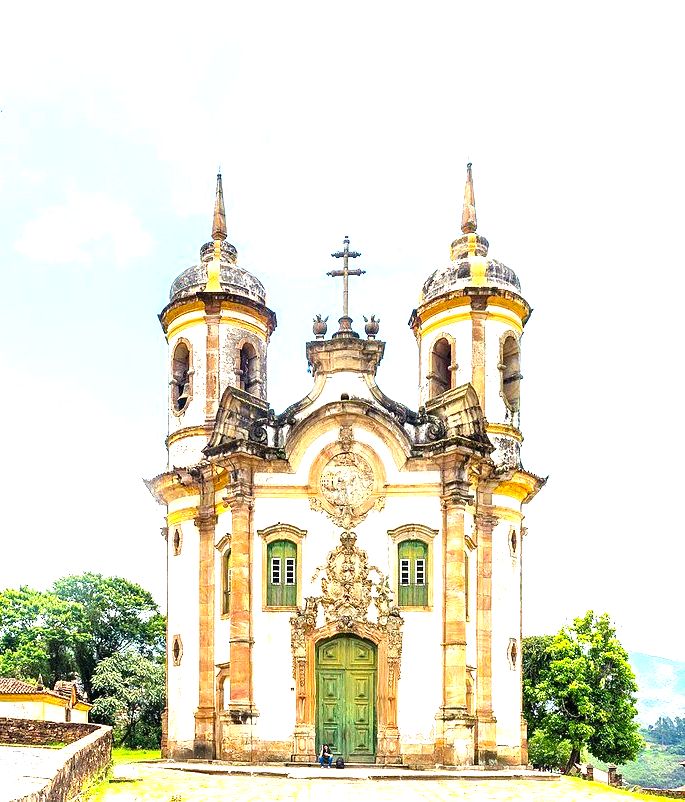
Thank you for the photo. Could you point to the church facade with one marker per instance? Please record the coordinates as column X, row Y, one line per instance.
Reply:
column 346, row 571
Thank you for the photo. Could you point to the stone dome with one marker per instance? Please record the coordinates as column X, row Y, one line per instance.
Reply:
column 233, row 279
column 458, row 274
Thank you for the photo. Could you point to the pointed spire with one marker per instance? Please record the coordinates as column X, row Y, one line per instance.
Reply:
column 219, row 222
column 468, row 216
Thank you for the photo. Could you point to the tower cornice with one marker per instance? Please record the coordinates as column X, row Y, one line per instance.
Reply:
column 470, row 298
column 210, row 302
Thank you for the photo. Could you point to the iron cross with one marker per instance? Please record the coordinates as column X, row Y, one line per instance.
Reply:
column 345, row 254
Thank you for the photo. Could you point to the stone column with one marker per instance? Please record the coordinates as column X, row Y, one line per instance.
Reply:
column 212, row 319
column 454, row 736
column 204, row 747
column 478, row 318
column 237, row 741
column 486, row 733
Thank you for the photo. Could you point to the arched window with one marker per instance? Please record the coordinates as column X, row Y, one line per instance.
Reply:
column 226, row 582
column 412, row 559
column 181, row 384
column 440, row 375
column 249, row 369
column 281, row 589
column 510, row 367
column 177, row 542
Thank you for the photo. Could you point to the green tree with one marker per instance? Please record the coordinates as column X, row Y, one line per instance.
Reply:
column 579, row 687
column 131, row 699
column 39, row 633
column 546, row 751
column 121, row 617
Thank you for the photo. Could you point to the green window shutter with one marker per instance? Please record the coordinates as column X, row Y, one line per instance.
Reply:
column 412, row 588
column 281, row 590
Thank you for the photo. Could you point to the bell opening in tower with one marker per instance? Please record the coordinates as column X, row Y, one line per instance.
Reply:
column 180, row 383
column 249, row 369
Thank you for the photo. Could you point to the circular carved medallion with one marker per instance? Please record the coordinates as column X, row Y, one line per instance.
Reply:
column 347, row 480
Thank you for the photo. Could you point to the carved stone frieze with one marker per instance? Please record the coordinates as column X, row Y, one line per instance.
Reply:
column 349, row 588
column 346, row 583
column 346, row 437
column 347, row 480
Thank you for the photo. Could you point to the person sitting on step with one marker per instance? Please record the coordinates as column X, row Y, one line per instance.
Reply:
column 325, row 756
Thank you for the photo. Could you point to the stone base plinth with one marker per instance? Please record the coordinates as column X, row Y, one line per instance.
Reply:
column 454, row 737
column 203, row 746
column 304, row 746
column 486, row 744
column 388, row 748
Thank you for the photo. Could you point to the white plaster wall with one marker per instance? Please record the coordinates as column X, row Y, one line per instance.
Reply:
column 420, row 687
column 25, row 709
column 462, row 333
column 186, row 451
column 506, row 624
column 54, row 712
column 183, row 620
column 79, row 716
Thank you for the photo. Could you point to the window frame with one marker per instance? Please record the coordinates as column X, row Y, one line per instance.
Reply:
column 409, row 569
column 291, row 534
column 277, row 584
column 423, row 534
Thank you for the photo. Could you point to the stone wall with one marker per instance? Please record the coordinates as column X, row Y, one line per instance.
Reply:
column 31, row 732
column 673, row 794
column 86, row 758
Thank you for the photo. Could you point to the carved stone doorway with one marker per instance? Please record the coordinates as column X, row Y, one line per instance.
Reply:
column 348, row 589
column 346, row 682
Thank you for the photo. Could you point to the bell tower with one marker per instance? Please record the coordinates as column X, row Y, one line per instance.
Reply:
column 468, row 327
column 217, row 326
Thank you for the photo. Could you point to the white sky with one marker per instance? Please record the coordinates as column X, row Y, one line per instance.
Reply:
column 331, row 119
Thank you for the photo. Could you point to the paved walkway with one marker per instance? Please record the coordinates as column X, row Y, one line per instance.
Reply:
column 25, row 770
column 376, row 773
column 161, row 782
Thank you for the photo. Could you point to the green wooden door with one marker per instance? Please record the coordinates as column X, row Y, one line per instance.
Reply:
column 346, row 698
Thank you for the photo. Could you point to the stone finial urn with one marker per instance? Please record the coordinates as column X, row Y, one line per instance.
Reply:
column 320, row 327
column 372, row 326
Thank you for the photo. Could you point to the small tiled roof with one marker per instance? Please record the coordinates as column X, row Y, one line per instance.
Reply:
column 62, row 690
column 8, row 685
